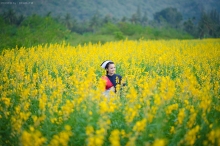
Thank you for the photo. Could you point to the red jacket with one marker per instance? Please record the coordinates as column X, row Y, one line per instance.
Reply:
column 108, row 84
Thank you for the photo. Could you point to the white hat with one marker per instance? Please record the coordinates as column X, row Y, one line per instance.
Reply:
column 103, row 65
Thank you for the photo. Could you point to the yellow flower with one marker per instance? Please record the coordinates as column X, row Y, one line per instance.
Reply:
column 42, row 102
column 33, row 138
column 140, row 125
column 172, row 130
column 90, row 113
column 89, row 130
column 190, row 136
column 181, row 116
column 103, row 107
column 115, row 138
column 61, row 138
column 170, row 108
column 123, row 134
column 6, row 101
column 67, row 127
column 99, row 140
column 159, row 142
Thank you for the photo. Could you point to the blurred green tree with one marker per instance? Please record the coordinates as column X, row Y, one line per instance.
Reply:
column 171, row 15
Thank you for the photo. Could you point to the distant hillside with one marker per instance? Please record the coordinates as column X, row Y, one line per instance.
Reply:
column 84, row 9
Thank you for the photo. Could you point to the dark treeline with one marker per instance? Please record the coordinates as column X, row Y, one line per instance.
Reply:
column 17, row 30
column 206, row 26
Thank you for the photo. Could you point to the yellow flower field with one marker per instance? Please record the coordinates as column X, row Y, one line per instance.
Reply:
column 52, row 94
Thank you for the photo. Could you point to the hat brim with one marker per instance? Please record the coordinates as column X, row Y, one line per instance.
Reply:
column 103, row 65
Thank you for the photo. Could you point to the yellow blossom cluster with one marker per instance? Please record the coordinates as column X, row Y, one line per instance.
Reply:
column 213, row 137
column 32, row 138
column 190, row 136
column 96, row 137
column 181, row 116
column 140, row 125
column 171, row 107
column 159, row 142
column 62, row 138
column 115, row 138
column 192, row 117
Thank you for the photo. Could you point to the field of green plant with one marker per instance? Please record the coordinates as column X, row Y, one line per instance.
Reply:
column 52, row 94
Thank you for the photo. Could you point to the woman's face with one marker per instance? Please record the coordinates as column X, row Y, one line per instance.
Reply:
column 111, row 69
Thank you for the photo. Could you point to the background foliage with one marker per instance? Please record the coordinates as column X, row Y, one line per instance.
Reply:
column 18, row 30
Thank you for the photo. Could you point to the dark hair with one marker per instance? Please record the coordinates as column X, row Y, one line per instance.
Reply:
column 107, row 65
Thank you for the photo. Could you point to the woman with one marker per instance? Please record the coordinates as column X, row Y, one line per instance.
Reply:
column 111, row 79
